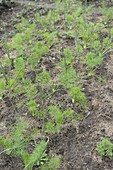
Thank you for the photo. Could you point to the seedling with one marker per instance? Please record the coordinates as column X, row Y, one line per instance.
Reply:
column 105, row 148
column 32, row 46
column 57, row 118
column 43, row 78
column 36, row 157
column 68, row 78
column 3, row 73
column 16, row 145
column 78, row 96
column 2, row 88
column 53, row 164
column 68, row 57
column 32, row 106
column 93, row 59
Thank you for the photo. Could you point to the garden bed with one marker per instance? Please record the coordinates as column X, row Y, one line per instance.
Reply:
column 62, row 38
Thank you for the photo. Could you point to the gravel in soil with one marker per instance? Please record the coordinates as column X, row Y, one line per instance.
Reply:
column 76, row 143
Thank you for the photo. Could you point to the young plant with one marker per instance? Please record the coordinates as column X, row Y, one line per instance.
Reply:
column 19, row 65
column 51, row 38
column 57, row 118
column 16, row 145
column 109, row 15
column 68, row 78
column 68, row 57
column 105, row 148
column 78, row 96
column 2, row 88
column 36, row 156
column 53, row 164
column 96, row 56
column 17, row 43
column 32, row 106
column 26, row 88
column 36, row 51
column 93, row 59
column 3, row 74
column 31, row 89
column 43, row 79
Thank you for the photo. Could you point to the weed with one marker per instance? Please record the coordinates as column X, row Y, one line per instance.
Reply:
column 103, row 4
column 109, row 14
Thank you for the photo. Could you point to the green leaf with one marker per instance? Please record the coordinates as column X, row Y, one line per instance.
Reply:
column 78, row 96
column 26, row 157
column 8, row 145
column 19, row 64
column 93, row 59
column 68, row 56
column 53, row 164
column 40, row 48
column 69, row 114
column 43, row 77
column 105, row 148
column 2, row 86
column 50, row 127
column 30, row 90
column 56, row 115
column 18, row 140
column 11, row 82
column 17, row 42
column 25, row 22
column 68, row 78
column 32, row 105
column 16, row 143
column 37, row 155
column 37, row 15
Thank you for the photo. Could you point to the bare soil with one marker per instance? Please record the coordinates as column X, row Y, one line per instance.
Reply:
column 76, row 143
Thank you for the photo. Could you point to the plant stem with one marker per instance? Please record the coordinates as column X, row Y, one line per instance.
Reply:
column 3, row 72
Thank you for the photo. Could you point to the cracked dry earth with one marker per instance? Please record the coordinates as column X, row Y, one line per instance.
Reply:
column 76, row 144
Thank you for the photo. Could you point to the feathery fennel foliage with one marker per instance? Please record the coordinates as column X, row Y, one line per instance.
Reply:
column 105, row 148
column 68, row 78
column 78, row 96
column 52, row 164
column 16, row 145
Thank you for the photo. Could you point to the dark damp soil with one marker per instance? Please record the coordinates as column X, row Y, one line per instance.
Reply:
column 76, row 143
